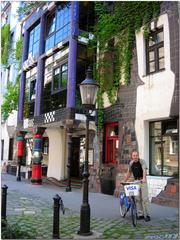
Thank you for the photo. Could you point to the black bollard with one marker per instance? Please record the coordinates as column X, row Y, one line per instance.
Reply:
column 57, row 204
column 4, row 202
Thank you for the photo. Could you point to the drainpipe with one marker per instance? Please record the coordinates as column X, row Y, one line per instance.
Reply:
column 40, row 69
column 71, row 86
column 23, row 78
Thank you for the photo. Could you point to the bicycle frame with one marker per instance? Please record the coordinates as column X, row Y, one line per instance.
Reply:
column 127, row 201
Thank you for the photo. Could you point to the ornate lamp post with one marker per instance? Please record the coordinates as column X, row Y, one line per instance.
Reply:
column 88, row 91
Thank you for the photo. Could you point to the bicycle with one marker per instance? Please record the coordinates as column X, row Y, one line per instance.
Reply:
column 127, row 200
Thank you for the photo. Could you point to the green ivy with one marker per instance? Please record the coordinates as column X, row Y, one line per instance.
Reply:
column 10, row 98
column 5, row 44
column 119, row 25
column 18, row 50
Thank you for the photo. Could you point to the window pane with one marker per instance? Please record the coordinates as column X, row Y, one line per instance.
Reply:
column 113, row 131
column 64, row 67
column 151, row 41
column 160, row 37
column 56, row 82
column 161, row 52
column 51, row 24
column 161, row 63
column 64, row 79
column 56, row 71
column 156, row 156
column 151, row 66
column 151, row 55
column 170, row 164
column 155, row 129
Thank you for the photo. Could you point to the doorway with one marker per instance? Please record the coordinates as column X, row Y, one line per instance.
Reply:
column 75, row 157
column 112, row 142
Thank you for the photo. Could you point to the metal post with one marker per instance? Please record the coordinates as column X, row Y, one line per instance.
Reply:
column 19, row 169
column 56, row 217
column 4, row 202
column 69, row 133
column 85, row 207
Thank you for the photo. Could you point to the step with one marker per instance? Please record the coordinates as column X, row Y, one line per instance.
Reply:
column 75, row 183
column 164, row 201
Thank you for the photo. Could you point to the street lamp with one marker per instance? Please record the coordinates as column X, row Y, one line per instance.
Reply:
column 88, row 91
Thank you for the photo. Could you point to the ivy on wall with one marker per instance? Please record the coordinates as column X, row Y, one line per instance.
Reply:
column 114, row 34
column 10, row 98
column 5, row 44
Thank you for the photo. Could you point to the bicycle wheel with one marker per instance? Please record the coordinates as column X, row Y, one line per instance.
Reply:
column 134, row 213
column 122, row 209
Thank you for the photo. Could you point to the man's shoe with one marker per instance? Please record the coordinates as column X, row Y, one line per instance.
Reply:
column 140, row 217
column 147, row 218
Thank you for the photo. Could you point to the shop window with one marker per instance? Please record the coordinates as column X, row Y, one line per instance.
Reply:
column 155, row 51
column 111, row 143
column 164, row 148
column 58, row 26
column 34, row 36
column 60, row 75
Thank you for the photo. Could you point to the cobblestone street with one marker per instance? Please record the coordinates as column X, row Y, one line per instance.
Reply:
column 35, row 216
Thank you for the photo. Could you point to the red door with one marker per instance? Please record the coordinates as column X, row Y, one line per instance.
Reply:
column 112, row 142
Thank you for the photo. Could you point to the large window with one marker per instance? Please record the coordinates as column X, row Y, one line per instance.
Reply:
column 112, row 143
column 34, row 36
column 164, row 148
column 59, row 81
column 155, row 51
column 58, row 26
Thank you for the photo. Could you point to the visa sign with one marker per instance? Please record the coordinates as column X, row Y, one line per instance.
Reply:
column 131, row 188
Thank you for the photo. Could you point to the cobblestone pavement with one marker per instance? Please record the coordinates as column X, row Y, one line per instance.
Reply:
column 35, row 216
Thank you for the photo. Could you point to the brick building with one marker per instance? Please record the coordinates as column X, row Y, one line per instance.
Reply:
column 145, row 115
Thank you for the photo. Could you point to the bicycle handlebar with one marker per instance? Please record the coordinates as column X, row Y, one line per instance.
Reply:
column 134, row 182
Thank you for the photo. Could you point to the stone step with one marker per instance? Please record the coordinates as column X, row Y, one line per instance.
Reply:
column 75, row 182
column 166, row 201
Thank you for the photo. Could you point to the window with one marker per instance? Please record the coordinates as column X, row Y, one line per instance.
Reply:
column 164, row 148
column 34, row 36
column 155, row 51
column 59, row 81
column 112, row 143
column 58, row 26
column 45, row 145
column 32, row 90
column 31, row 84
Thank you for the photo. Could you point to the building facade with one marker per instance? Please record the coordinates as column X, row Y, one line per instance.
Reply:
column 8, row 75
column 145, row 115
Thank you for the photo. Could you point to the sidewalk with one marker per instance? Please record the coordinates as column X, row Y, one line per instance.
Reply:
column 30, row 207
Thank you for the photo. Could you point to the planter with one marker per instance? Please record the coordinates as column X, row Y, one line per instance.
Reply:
column 107, row 186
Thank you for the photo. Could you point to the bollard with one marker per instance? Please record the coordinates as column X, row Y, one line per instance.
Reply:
column 4, row 202
column 58, row 203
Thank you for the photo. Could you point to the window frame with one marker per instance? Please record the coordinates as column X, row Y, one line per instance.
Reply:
column 161, row 141
column 33, row 43
column 154, row 48
column 113, row 138
column 54, row 33
column 60, row 89
column 45, row 145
